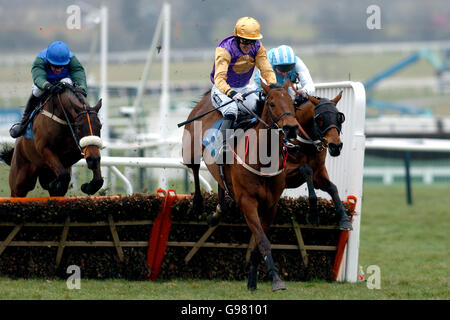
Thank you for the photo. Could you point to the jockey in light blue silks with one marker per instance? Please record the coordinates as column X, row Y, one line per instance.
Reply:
column 287, row 65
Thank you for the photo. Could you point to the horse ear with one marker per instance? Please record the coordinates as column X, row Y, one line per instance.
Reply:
column 337, row 98
column 265, row 87
column 314, row 100
column 98, row 105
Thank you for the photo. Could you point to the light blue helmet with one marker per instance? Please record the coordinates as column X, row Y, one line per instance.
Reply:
column 283, row 57
column 58, row 53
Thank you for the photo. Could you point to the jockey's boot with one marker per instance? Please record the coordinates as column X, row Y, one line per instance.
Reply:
column 225, row 152
column 19, row 128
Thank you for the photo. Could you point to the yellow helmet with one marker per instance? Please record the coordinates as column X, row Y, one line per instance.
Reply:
column 248, row 28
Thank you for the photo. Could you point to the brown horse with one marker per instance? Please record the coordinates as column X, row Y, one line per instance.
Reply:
column 255, row 193
column 65, row 129
column 320, row 123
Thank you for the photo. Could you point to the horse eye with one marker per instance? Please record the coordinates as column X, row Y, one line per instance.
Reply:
column 271, row 104
column 341, row 117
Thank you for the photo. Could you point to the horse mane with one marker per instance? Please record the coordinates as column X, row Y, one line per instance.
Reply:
column 76, row 92
column 195, row 102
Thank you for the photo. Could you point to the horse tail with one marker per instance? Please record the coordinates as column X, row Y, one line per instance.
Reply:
column 6, row 153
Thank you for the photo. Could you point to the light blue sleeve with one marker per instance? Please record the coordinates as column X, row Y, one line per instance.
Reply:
column 304, row 77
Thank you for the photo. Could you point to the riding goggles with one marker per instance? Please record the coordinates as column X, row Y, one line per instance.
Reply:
column 247, row 41
column 285, row 67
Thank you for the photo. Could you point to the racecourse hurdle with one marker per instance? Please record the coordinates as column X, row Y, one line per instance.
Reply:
column 111, row 236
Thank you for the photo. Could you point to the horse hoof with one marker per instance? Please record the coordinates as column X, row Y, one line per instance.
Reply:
column 345, row 225
column 278, row 285
column 85, row 188
column 252, row 280
column 212, row 220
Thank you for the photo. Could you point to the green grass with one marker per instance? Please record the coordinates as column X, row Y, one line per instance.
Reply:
column 408, row 243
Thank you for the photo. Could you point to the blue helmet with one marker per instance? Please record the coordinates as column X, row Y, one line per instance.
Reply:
column 58, row 53
column 283, row 57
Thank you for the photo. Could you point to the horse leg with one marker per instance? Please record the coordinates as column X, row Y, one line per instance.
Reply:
column 313, row 215
column 59, row 186
column 23, row 181
column 92, row 154
column 95, row 184
column 197, row 204
column 214, row 218
column 250, row 209
column 255, row 258
column 326, row 185
column 22, row 174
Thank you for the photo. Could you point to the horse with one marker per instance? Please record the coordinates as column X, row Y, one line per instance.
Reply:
column 255, row 193
column 320, row 123
column 65, row 129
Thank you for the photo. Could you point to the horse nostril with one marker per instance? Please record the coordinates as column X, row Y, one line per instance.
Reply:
column 335, row 149
column 291, row 132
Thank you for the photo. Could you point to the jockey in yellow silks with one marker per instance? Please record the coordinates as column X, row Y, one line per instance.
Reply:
column 235, row 59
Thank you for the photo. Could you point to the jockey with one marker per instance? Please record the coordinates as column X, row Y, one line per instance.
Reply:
column 287, row 65
column 235, row 59
column 52, row 65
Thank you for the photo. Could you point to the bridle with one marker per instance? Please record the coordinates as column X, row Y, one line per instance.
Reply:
column 274, row 125
column 321, row 143
column 87, row 111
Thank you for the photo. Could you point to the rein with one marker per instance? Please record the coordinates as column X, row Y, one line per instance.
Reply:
column 74, row 135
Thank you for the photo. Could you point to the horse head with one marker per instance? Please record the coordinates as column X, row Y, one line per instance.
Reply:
column 328, row 123
column 279, row 109
column 85, row 127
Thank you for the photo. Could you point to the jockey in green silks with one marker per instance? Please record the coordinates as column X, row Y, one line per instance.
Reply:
column 52, row 65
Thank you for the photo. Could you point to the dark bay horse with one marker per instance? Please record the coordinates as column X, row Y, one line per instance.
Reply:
column 320, row 123
column 65, row 129
column 255, row 193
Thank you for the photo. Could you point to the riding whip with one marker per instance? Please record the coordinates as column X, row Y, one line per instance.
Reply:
column 217, row 108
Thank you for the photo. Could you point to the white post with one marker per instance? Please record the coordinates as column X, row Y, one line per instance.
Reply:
column 164, row 101
column 104, row 82
column 356, row 180
column 146, row 71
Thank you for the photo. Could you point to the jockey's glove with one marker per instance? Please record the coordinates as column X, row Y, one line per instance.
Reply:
column 300, row 99
column 236, row 96
column 53, row 88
